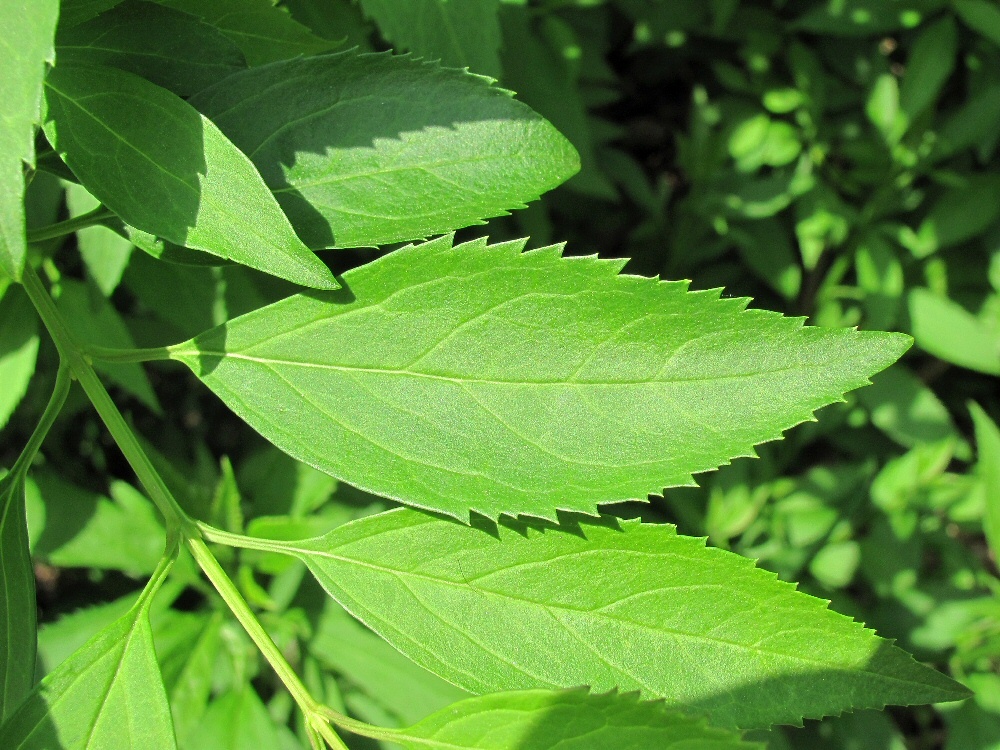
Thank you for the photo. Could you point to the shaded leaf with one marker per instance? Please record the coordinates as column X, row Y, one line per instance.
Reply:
column 93, row 320
column 570, row 720
column 184, row 55
column 152, row 159
column 109, row 694
column 263, row 32
column 980, row 15
column 237, row 719
column 73, row 528
column 354, row 163
column 18, row 349
column 460, row 35
column 510, row 382
column 928, row 66
column 514, row 607
column 17, row 599
column 947, row 330
column 26, row 28
column 105, row 253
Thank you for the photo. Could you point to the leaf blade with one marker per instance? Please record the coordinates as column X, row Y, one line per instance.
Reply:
column 353, row 163
column 17, row 597
column 152, row 159
column 509, row 382
column 511, row 607
column 108, row 694
column 570, row 720
column 27, row 28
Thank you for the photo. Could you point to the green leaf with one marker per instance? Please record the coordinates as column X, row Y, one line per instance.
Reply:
column 947, row 330
column 406, row 690
column 514, row 607
column 18, row 349
column 982, row 16
column 27, row 28
column 988, row 446
column 354, row 163
column 17, row 599
column 460, row 35
column 510, row 382
column 931, row 61
column 71, row 527
column 262, row 31
column 567, row 720
column 107, row 696
column 905, row 409
column 189, row 680
column 152, row 159
column 238, row 719
column 962, row 213
column 185, row 54
column 105, row 253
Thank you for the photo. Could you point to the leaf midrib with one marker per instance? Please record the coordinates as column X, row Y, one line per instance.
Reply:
column 270, row 361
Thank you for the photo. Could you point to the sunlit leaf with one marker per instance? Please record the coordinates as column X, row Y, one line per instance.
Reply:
column 480, row 377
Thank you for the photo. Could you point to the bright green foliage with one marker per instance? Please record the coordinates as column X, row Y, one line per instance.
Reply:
column 460, row 35
column 107, row 696
column 193, row 187
column 571, row 720
column 26, row 28
column 477, row 605
column 17, row 599
column 104, row 252
column 354, row 163
column 18, row 349
column 185, row 55
column 510, row 382
column 944, row 328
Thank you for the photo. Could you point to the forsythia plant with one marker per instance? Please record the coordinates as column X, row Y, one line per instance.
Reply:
column 502, row 398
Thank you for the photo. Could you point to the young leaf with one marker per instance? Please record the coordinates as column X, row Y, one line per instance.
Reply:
column 510, row 382
column 27, row 28
column 109, row 694
column 354, row 163
column 460, row 35
column 947, row 330
column 630, row 606
column 567, row 720
column 152, row 159
column 185, row 54
column 263, row 32
column 17, row 599
column 18, row 349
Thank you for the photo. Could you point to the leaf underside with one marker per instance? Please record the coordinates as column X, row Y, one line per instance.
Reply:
column 482, row 378
column 567, row 720
column 516, row 606
column 363, row 150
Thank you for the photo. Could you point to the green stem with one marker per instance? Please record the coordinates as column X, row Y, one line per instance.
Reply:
column 235, row 601
column 360, row 727
column 52, row 409
column 62, row 228
column 108, row 354
column 112, row 418
column 179, row 524
column 219, row 536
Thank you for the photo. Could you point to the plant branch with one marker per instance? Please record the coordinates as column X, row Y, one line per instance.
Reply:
column 120, row 430
column 52, row 409
column 62, row 228
column 312, row 710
